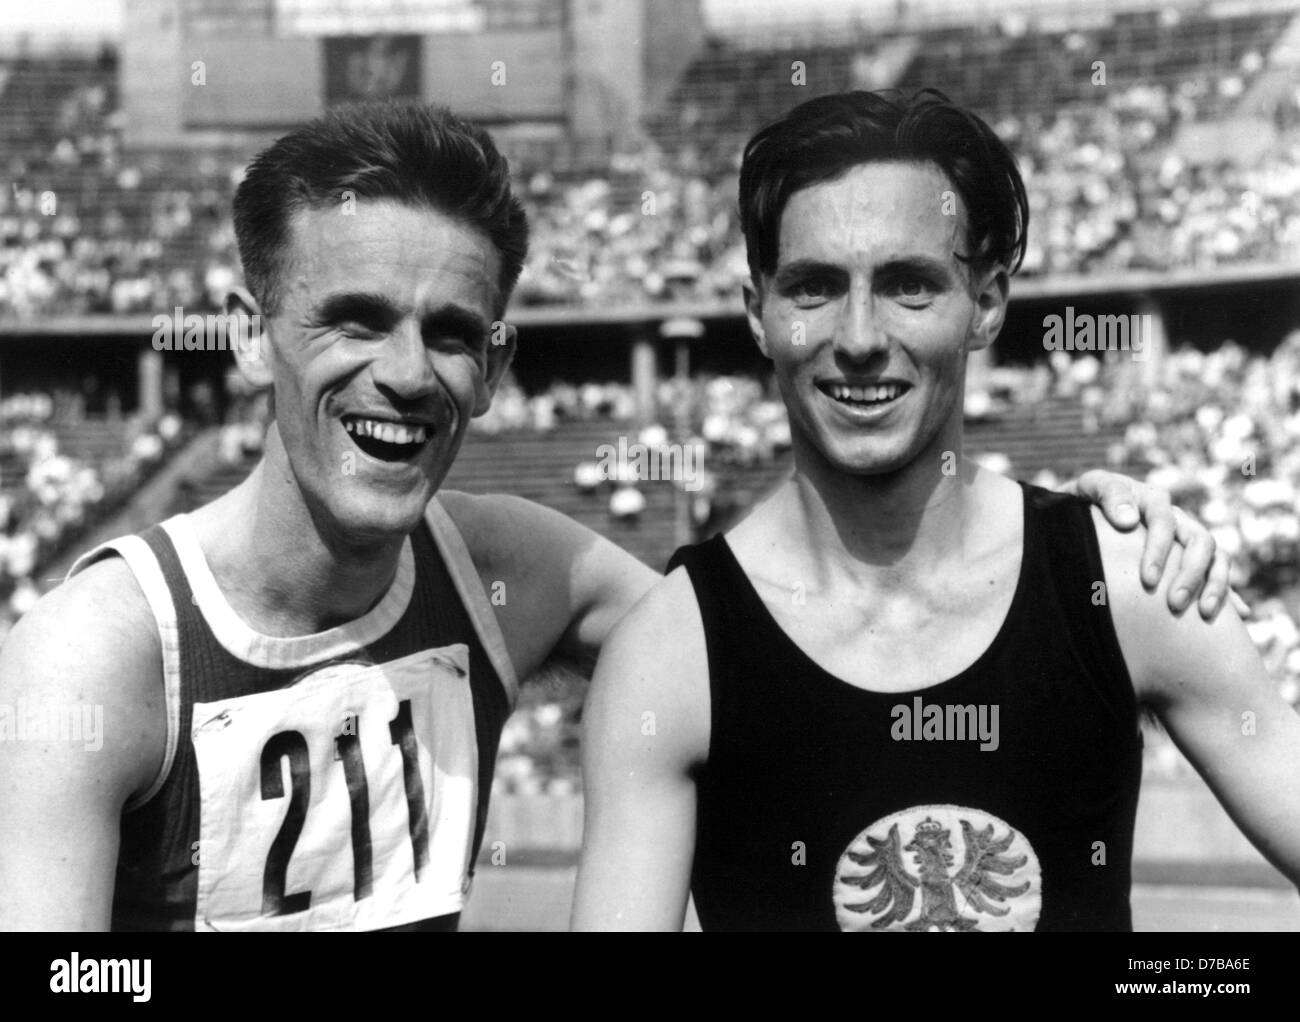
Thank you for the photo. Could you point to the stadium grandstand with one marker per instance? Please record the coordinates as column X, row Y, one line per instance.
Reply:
column 1160, row 143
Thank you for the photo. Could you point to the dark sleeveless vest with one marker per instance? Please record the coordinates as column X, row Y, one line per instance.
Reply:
column 824, row 806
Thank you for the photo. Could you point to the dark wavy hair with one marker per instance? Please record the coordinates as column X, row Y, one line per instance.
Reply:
column 823, row 138
column 409, row 152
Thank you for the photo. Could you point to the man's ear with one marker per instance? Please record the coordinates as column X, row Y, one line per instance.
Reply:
column 754, row 313
column 249, row 329
column 500, row 353
column 993, row 287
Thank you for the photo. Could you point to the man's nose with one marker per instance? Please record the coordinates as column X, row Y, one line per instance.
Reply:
column 405, row 365
column 861, row 332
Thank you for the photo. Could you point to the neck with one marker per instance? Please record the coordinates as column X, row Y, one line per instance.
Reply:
column 281, row 566
column 889, row 529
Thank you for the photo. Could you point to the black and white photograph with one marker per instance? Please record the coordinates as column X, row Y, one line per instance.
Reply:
column 641, row 465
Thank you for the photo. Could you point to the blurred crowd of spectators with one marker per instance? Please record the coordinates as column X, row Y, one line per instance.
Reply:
column 49, row 498
column 722, row 422
column 1111, row 189
column 512, row 409
column 1220, row 431
column 648, row 233
column 86, row 228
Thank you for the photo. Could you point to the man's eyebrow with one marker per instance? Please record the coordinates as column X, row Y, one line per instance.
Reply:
column 805, row 268
column 801, row 268
column 361, row 306
column 454, row 319
column 914, row 264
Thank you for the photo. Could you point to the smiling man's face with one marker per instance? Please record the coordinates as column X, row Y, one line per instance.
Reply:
column 869, row 315
column 381, row 352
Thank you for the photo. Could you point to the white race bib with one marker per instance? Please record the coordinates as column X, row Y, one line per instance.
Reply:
column 346, row 801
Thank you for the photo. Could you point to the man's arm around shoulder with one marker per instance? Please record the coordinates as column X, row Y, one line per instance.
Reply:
column 561, row 586
column 90, row 648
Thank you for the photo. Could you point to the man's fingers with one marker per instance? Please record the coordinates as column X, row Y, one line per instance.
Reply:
column 1158, row 514
column 1241, row 606
column 1117, row 496
column 1216, row 588
column 1198, row 556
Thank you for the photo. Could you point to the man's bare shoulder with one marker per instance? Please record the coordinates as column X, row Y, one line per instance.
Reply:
column 1148, row 631
column 668, row 604
column 93, row 641
column 662, row 637
column 99, row 615
column 1121, row 554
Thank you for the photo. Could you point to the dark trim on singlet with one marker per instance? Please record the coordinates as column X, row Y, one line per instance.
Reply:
column 797, row 755
column 157, row 879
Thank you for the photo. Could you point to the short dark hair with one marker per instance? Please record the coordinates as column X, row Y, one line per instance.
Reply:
column 410, row 152
column 825, row 137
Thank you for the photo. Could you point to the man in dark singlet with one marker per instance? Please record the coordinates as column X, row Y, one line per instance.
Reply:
column 302, row 684
column 903, row 694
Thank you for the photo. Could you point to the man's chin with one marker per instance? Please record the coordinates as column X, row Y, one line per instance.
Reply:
column 375, row 518
column 869, row 467
column 861, row 459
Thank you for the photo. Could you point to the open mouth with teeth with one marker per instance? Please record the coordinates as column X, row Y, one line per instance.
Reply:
column 385, row 439
column 874, row 396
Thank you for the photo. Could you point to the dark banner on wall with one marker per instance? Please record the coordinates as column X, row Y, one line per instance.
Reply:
column 371, row 67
